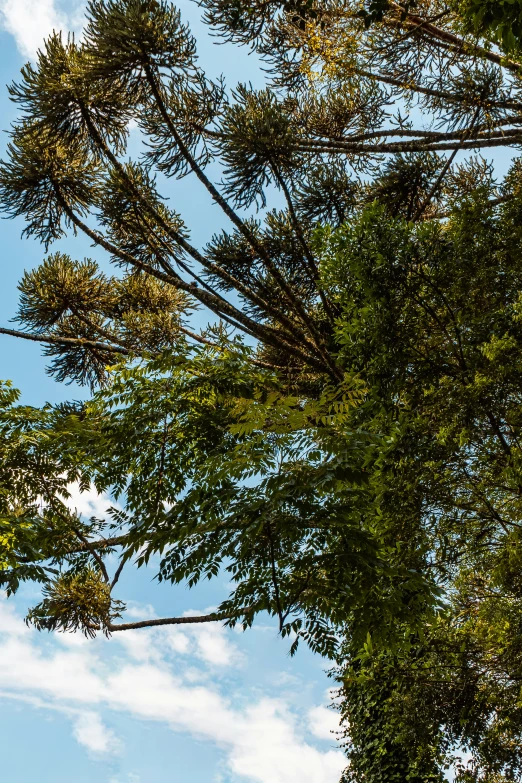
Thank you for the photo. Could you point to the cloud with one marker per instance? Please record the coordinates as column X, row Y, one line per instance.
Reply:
column 210, row 643
column 88, row 727
column 268, row 749
column 262, row 740
column 213, row 645
column 89, row 503
column 30, row 21
column 323, row 723
column 90, row 732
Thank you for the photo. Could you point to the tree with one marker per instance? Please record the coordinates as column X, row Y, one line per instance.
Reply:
column 431, row 313
column 499, row 20
column 345, row 439
column 328, row 117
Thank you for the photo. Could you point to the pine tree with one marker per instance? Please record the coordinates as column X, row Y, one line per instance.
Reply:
column 331, row 131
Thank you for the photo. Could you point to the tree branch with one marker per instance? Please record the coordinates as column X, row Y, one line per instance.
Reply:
column 205, row 618
column 118, row 571
column 489, row 131
column 67, row 341
column 94, row 553
column 460, row 43
column 198, row 338
column 259, row 331
column 240, row 225
column 312, row 266
column 196, row 255
column 507, row 139
column 445, row 96
column 102, row 543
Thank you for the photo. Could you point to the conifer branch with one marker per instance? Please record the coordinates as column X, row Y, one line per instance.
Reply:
column 52, row 339
column 428, row 91
column 97, row 328
column 312, row 266
column 260, row 331
column 203, row 341
column 459, row 43
column 293, row 334
column 421, row 139
column 507, row 139
column 419, row 136
column 240, row 225
column 287, row 325
column 445, row 169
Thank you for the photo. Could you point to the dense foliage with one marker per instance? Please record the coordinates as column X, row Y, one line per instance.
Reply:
column 344, row 437
column 501, row 20
column 431, row 319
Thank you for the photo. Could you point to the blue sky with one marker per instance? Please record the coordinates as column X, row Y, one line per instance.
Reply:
column 204, row 705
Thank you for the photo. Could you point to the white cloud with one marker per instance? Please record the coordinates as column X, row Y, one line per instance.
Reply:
column 89, row 503
column 261, row 740
column 90, row 732
column 268, row 749
column 30, row 21
column 212, row 644
column 88, row 727
column 323, row 723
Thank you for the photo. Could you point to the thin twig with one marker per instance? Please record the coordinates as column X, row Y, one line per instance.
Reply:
column 118, row 571
column 94, row 553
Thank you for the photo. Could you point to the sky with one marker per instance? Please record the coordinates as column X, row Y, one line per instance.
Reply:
column 202, row 704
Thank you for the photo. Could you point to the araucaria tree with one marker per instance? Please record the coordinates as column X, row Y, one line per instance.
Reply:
column 344, row 438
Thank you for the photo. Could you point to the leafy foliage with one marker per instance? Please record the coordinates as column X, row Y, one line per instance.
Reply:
column 500, row 19
column 430, row 319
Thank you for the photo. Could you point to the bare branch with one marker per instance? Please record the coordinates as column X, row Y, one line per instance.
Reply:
column 103, row 543
column 117, row 574
column 67, row 341
column 204, row 618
